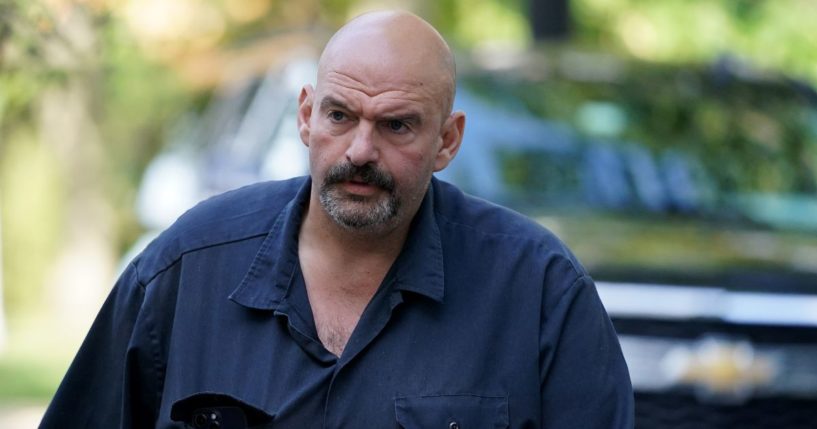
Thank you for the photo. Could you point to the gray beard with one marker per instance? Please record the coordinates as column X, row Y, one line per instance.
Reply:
column 354, row 213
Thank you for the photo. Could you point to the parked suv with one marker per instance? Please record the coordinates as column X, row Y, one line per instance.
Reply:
column 690, row 195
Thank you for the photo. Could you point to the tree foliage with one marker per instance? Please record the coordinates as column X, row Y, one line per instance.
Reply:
column 773, row 34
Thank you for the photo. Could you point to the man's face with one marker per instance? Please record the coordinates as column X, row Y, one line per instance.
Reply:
column 373, row 140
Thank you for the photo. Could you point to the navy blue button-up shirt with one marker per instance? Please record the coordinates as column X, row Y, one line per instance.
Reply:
column 485, row 320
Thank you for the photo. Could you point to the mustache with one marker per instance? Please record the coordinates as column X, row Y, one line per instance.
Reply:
column 367, row 173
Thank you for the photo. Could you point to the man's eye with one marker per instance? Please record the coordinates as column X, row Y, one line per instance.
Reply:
column 396, row 125
column 337, row 116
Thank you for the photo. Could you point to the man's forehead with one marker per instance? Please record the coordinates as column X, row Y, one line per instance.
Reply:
column 378, row 62
column 374, row 83
column 366, row 100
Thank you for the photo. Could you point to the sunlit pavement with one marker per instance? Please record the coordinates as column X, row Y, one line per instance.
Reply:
column 22, row 417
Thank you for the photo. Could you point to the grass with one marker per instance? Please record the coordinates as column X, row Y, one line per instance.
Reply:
column 34, row 360
column 28, row 380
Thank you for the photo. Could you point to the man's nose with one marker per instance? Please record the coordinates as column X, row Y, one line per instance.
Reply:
column 363, row 150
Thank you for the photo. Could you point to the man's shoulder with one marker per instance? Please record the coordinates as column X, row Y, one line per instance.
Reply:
column 248, row 210
column 482, row 216
column 240, row 214
column 473, row 218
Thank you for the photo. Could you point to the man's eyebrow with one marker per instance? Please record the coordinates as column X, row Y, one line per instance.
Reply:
column 408, row 117
column 330, row 102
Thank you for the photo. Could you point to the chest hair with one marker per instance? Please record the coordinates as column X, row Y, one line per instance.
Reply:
column 337, row 309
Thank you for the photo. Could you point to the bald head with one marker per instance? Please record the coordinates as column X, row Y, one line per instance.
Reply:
column 392, row 45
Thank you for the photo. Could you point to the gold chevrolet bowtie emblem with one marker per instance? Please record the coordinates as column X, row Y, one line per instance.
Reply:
column 720, row 368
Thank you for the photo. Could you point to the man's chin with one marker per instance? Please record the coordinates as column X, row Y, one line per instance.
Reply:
column 355, row 212
column 362, row 216
column 359, row 216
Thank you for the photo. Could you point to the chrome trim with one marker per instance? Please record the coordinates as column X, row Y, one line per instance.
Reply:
column 684, row 302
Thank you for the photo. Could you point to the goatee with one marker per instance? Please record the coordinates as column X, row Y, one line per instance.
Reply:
column 355, row 212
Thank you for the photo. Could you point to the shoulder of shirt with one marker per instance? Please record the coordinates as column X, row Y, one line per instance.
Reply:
column 484, row 218
column 241, row 214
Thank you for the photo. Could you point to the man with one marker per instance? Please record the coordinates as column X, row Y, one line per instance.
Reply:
column 367, row 295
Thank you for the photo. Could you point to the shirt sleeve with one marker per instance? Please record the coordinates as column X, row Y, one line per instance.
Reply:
column 584, row 378
column 111, row 382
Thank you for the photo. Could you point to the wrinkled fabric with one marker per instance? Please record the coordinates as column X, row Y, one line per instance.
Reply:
column 484, row 320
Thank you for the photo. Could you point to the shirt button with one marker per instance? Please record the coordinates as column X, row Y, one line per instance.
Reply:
column 453, row 425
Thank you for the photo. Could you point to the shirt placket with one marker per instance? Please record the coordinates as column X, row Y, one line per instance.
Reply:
column 374, row 319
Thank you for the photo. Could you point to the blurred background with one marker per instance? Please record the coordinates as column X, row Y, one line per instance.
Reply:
column 672, row 144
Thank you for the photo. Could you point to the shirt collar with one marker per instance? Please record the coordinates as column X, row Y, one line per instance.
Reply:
column 418, row 268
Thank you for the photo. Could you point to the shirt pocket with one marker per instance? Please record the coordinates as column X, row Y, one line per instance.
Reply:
column 452, row 412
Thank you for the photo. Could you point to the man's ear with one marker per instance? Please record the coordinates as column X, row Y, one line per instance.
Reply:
column 305, row 112
column 451, row 135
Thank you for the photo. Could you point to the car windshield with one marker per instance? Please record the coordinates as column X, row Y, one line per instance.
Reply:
column 702, row 171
